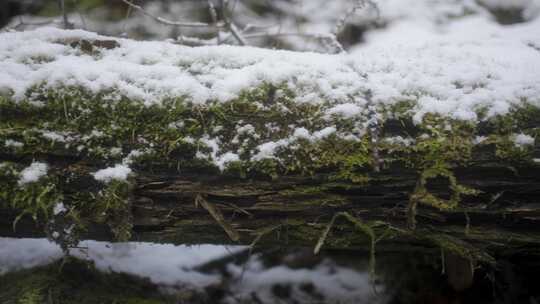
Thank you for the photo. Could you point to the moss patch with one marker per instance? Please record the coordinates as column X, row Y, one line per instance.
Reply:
column 76, row 282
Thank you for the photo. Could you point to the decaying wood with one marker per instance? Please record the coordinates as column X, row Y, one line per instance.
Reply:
column 505, row 214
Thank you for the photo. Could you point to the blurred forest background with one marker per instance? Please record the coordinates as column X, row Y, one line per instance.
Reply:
column 282, row 24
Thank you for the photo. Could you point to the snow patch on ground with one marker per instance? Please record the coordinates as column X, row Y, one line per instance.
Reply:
column 176, row 266
column 161, row 263
column 333, row 281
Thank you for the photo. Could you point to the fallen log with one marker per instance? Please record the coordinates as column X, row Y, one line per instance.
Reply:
column 263, row 164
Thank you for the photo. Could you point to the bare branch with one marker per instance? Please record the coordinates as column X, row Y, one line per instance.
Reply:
column 124, row 23
column 81, row 15
column 236, row 33
column 229, row 25
column 232, row 30
column 169, row 22
column 213, row 12
column 360, row 4
column 213, row 15
column 67, row 24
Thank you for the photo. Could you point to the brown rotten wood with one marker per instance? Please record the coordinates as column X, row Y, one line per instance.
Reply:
column 194, row 208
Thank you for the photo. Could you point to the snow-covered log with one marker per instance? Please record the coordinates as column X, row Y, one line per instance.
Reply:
column 106, row 138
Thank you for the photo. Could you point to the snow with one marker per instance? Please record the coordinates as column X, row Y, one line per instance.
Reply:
column 13, row 143
column 161, row 263
column 54, row 136
column 521, row 140
column 173, row 266
column 59, row 208
column 446, row 57
column 399, row 140
column 130, row 158
column 454, row 74
column 331, row 280
column 246, row 129
column 33, row 173
column 17, row 254
column 347, row 110
column 321, row 134
column 119, row 172
column 479, row 139
column 302, row 133
column 225, row 159
column 268, row 149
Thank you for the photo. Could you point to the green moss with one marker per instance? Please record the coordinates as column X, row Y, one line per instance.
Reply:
column 113, row 207
column 422, row 195
column 176, row 135
column 508, row 151
column 173, row 132
column 35, row 199
column 458, row 247
column 106, row 204
column 76, row 282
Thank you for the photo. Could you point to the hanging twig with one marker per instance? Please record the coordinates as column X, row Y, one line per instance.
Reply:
column 169, row 22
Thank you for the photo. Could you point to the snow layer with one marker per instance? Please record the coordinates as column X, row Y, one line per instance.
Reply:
column 33, row 173
column 162, row 264
column 332, row 281
column 460, row 68
column 176, row 266
column 59, row 208
column 523, row 140
column 118, row 172
column 449, row 75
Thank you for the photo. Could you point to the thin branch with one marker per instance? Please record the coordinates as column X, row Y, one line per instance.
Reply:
column 81, row 15
column 229, row 25
column 213, row 12
column 360, row 4
column 236, row 33
column 124, row 23
column 67, row 24
column 213, row 15
column 169, row 22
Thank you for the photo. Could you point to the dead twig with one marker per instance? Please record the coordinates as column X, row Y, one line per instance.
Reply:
column 170, row 22
column 218, row 217
column 229, row 25
column 67, row 24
